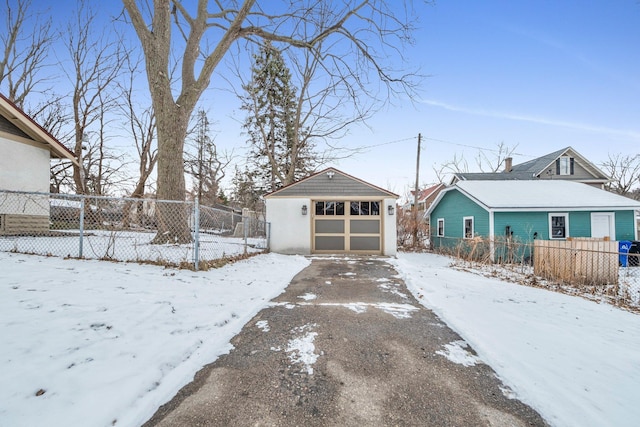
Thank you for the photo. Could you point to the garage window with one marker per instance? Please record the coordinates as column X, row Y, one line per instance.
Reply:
column 440, row 227
column 365, row 208
column 330, row 208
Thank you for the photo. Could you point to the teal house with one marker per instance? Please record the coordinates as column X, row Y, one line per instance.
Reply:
column 510, row 214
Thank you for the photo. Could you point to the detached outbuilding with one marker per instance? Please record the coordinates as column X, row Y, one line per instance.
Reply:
column 332, row 212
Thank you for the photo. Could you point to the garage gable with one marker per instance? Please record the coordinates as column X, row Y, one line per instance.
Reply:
column 331, row 183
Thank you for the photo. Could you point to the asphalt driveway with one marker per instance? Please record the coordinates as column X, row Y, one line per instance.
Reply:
column 345, row 345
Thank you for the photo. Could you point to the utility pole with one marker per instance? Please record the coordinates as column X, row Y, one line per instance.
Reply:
column 415, row 196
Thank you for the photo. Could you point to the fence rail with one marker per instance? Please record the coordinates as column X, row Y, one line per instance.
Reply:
column 592, row 268
column 127, row 229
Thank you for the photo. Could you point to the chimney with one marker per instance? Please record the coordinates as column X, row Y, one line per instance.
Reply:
column 508, row 162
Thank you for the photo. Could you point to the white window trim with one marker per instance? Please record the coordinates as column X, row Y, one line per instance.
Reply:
column 473, row 226
column 566, row 170
column 438, row 228
column 566, row 225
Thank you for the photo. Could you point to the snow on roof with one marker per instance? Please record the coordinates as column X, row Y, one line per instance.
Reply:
column 516, row 195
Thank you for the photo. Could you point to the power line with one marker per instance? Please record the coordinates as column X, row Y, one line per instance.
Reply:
column 365, row 147
column 475, row 147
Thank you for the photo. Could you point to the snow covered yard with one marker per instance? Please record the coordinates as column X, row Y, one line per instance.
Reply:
column 575, row 361
column 94, row 343
column 130, row 246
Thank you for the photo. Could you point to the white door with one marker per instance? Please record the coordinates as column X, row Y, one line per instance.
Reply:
column 603, row 225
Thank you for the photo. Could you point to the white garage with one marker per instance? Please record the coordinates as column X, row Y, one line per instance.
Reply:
column 332, row 212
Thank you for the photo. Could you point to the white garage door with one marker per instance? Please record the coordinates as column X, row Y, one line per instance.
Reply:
column 347, row 226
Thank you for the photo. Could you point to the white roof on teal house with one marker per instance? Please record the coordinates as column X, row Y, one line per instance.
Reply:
column 538, row 195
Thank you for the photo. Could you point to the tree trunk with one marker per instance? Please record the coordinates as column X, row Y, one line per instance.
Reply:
column 172, row 218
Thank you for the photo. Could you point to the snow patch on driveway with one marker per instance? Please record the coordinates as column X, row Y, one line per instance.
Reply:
column 302, row 350
column 308, row 296
column 399, row 311
column 456, row 352
column 263, row 325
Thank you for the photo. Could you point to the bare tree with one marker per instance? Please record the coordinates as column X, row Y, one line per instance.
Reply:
column 493, row 161
column 141, row 123
column 207, row 166
column 319, row 114
column 53, row 115
column 487, row 161
column 103, row 167
column 60, row 176
column 324, row 112
column 26, row 41
column 456, row 165
column 142, row 128
column 96, row 64
column 370, row 30
column 624, row 171
column 25, row 46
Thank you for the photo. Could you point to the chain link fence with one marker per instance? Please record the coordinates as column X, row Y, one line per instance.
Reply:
column 170, row 233
column 598, row 269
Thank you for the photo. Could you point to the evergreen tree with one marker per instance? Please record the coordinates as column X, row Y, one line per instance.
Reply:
column 277, row 152
column 245, row 193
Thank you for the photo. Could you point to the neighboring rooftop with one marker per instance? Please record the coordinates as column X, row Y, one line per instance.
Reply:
column 544, row 167
column 543, row 194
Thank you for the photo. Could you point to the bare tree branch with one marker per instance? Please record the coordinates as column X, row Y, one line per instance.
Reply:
column 96, row 65
column 25, row 45
column 624, row 171
column 349, row 39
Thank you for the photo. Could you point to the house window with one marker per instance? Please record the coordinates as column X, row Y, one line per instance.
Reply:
column 468, row 227
column 558, row 225
column 329, row 208
column 564, row 166
column 440, row 227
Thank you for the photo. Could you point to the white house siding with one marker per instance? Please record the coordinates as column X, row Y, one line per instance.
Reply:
column 390, row 231
column 290, row 230
column 23, row 167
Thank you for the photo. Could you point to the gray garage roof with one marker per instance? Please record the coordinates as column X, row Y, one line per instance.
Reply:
column 331, row 183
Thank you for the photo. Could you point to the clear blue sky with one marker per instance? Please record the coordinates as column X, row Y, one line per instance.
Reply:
column 541, row 75
column 537, row 74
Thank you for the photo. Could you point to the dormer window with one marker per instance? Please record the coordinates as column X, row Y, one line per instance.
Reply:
column 564, row 166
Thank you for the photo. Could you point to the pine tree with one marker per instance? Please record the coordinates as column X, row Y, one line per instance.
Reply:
column 276, row 151
column 245, row 193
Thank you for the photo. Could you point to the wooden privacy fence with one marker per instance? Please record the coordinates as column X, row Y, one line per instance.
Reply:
column 577, row 261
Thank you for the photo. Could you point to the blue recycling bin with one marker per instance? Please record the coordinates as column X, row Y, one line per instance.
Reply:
column 623, row 252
